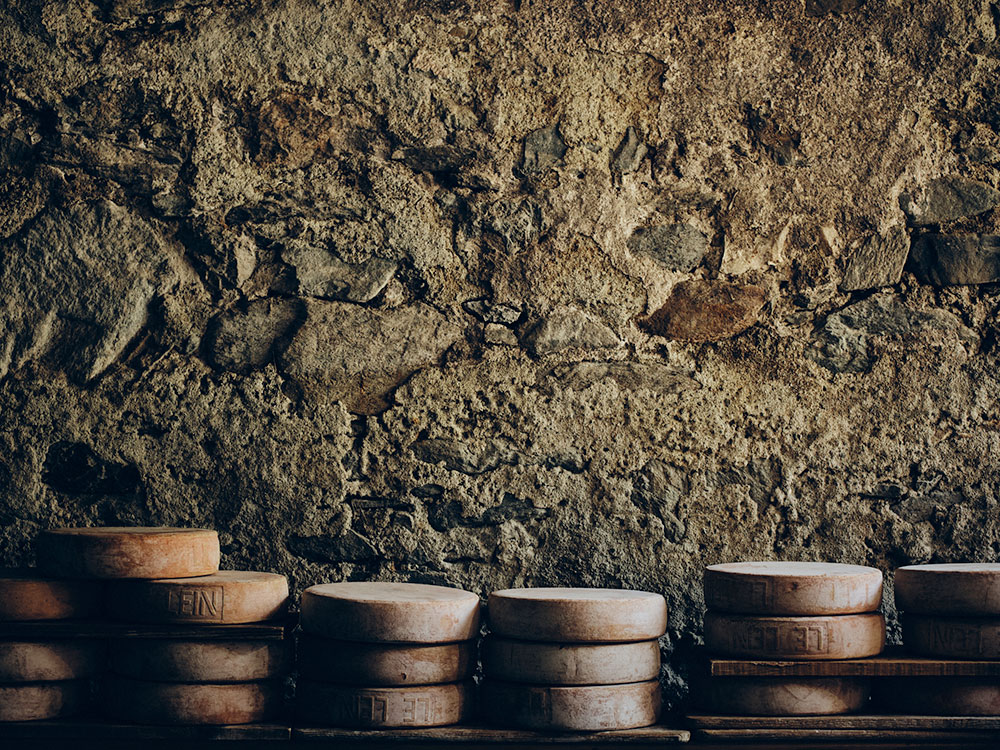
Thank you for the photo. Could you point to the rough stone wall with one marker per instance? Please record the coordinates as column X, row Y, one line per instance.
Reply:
column 505, row 293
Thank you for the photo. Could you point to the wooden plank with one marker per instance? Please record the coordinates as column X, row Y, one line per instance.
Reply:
column 894, row 663
column 43, row 731
column 103, row 629
column 847, row 722
column 474, row 735
column 846, row 735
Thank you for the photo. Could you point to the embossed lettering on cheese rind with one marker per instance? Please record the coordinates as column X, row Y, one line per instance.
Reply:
column 196, row 603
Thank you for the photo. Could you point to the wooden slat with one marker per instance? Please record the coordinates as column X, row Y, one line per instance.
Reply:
column 747, row 736
column 84, row 731
column 847, row 721
column 894, row 663
column 94, row 629
column 473, row 735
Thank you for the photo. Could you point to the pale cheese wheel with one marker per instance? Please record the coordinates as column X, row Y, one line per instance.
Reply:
column 949, row 589
column 26, row 594
column 201, row 660
column 590, row 708
column 384, row 664
column 384, row 707
column 570, row 663
column 390, row 612
column 792, row 588
column 800, row 638
column 50, row 661
column 41, row 700
column 128, row 552
column 952, row 637
column 784, row 696
column 145, row 702
column 577, row 615
column 941, row 696
column 227, row 597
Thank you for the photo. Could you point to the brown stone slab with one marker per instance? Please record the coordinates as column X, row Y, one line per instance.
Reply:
column 26, row 594
column 954, row 637
column 792, row 588
column 201, row 661
column 949, row 589
column 945, row 696
column 50, row 661
column 384, row 707
column 227, row 597
column 384, row 664
column 577, row 615
column 41, row 700
column 589, row 708
column 783, row 696
column 800, row 638
column 145, row 702
column 128, row 552
column 390, row 612
column 542, row 663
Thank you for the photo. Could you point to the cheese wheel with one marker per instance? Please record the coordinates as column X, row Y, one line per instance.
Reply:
column 949, row 589
column 144, row 702
column 792, row 588
column 569, row 615
column 570, row 663
column 390, row 612
column 41, row 700
column 801, row 638
column 384, row 707
column 952, row 637
column 591, row 708
column 128, row 552
column 384, row 664
column 784, row 696
column 50, row 661
column 201, row 660
column 941, row 696
column 226, row 597
column 26, row 594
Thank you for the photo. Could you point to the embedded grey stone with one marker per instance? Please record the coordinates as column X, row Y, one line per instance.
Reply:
column 947, row 199
column 322, row 274
column 629, row 153
column 658, row 488
column 448, row 515
column 568, row 327
column 956, row 259
column 246, row 339
column 459, row 455
column 444, row 158
column 676, row 247
column 542, row 150
column 498, row 312
column 349, row 548
column 825, row 7
column 878, row 262
column 518, row 223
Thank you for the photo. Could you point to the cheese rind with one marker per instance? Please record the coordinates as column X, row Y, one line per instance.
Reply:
column 577, row 615
column 590, row 708
column 128, row 552
column 802, row 638
column 50, row 661
column 952, row 637
column 949, row 589
column 201, row 660
column 26, row 594
column 41, row 700
column 570, row 663
column 145, row 702
column 784, row 696
column 384, row 665
column 941, row 696
column 384, row 707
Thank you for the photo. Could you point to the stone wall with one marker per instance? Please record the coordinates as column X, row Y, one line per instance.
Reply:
column 505, row 293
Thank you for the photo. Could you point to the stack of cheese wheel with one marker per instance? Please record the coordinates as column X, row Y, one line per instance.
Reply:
column 46, row 679
column 170, row 577
column 950, row 611
column 386, row 655
column 791, row 611
column 573, row 659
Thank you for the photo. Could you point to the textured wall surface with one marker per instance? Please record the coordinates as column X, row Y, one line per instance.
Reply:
column 505, row 293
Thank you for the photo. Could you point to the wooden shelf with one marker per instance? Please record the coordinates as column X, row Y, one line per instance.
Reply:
column 478, row 736
column 104, row 629
column 858, row 728
column 893, row 663
column 89, row 731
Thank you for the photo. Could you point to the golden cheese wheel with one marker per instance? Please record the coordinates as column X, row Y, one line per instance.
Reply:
column 949, row 589
column 128, row 552
column 801, row 638
column 26, row 594
column 390, row 612
column 542, row 663
column 577, row 615
column 145, row 702
column 783, row 696
column 952, row 637
column 384, row 707
column 940, row 696
column 226, row 597
column 384, row 664
column 792, row 588
column 162, row 660
column 41, row 700
column 590, row 708
column 49, row 661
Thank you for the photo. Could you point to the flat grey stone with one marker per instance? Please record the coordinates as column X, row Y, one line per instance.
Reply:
column 629, row 153
column 543, row 149
column 947, row 199
column 676, row 247
column 878, row 262
column 956, row 259
column 568, row 327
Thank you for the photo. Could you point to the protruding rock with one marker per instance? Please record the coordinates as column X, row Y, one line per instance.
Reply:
column 244, row 340
column 956, row 259
column 878, row 262
column 322, row 274
column 629, row 153
column 825, row 7
column 701, row 310
column 947, row 199
column 542, row 150
column 460, row 455
column 676, row 247
column 568, row 327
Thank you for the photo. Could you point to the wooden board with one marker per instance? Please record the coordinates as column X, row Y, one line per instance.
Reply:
column 57, row 629
column 83, row 731
column 865, row 738
column 894, row 663
column 478, row 735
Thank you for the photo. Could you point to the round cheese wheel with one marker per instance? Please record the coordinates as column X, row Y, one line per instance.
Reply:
column 591, row 708
column 390, row 612
column 784, row 696
column 26, row 594
column 144, row 702
column 800, row 638
column 569, row 615
column 792, row 588
column 570, row 663
column 941, row 696
column 41, row 700
column 201, row 660
column 226, row 597
column 949, row 589
column 128, row 552
column 383, row 664
column 952, row 637
column 384, row 707
column 50, row 661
